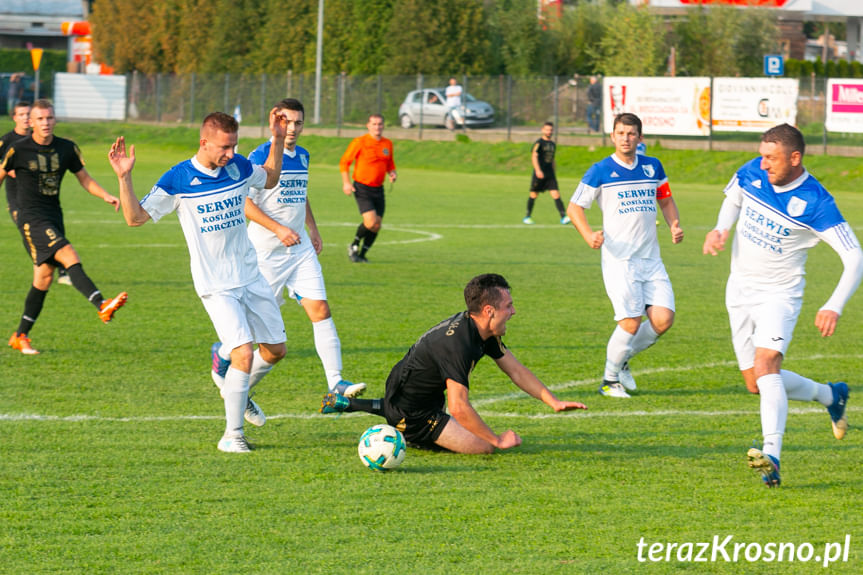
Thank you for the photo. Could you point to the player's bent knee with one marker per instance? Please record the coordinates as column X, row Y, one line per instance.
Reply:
column 273, row 352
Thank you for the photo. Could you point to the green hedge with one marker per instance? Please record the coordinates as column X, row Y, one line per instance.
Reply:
column 805, row 68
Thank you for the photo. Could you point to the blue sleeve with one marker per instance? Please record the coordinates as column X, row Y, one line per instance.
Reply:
column 260, row 154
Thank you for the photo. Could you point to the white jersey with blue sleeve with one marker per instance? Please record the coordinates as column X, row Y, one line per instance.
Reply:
column 211, row 207
column 777, row 225
column 285, row 203
column 627, row 196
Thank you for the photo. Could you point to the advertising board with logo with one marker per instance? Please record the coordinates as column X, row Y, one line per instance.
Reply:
column 753, row 104
column 844, row 105
column 666, row 106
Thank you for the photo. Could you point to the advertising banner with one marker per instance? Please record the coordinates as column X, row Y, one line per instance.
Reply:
column 753, row 104
column 666, row 106
column 844, row 105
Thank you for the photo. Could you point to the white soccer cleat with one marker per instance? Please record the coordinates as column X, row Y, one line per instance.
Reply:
column 348, row 389
column 254, row 414
column 234, row 444
column 612, row 389
column 626, row 379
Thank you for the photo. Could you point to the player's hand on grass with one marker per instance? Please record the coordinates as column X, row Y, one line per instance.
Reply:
column 121, row 162
column 568, row 406
column 714, row 242
column 825, row 321
column 676, row 232
column 507, row 439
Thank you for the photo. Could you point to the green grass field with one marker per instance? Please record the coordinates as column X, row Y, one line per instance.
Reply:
column 109, row 463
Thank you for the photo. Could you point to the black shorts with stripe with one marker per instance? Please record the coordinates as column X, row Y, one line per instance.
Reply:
column 42, row 240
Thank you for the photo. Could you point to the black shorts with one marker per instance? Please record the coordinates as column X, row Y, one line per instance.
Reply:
column 42, row 240
column 370, row 198
column 545, row 184
column 421, row 428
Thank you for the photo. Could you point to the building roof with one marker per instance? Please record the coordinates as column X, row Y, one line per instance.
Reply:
column 69, row 9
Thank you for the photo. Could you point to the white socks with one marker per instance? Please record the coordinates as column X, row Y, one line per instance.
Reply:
column 801, row 388
column 618, row 351
column 329, row 349
column 644, row 338
column 622, row 346
column 260, row 368
column 236, row 394
column 774, row 412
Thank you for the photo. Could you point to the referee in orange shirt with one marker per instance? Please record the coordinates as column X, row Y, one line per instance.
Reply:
column 373, row 157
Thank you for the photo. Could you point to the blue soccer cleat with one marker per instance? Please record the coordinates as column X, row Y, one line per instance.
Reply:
column 766, row 465
column 837, row 409
column 334, row 403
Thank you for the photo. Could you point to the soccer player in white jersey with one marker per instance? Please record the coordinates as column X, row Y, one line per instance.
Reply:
column 209, row 192
column 287, row 253
column 628, row 187
column 781, row 211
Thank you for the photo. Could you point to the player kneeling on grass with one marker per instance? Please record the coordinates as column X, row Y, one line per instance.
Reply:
column 209, row 192
column 441, row 361
column 780, row 211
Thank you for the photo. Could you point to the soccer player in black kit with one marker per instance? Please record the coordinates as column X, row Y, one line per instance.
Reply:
column 39, row 163
column 441, row 361
column 543, row 177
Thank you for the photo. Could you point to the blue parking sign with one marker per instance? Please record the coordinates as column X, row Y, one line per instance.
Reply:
column 774, row 65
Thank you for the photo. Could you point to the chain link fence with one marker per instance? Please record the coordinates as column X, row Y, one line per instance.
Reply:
column 520, row 104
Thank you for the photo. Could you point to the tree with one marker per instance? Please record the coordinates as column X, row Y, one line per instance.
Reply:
column 632, row 43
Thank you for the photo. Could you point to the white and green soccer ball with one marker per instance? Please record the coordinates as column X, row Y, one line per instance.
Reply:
column 382, row 447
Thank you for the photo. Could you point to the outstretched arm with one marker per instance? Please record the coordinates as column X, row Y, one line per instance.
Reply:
column 88, row 183
column 122, row 164
column 530, row 384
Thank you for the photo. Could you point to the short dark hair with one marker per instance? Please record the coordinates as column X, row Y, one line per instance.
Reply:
column 627, row 119
column 788, row 136
column 485, row 289
column 548, row 124
column 220, row 121
column 381, row 116
column 43, row 104
column 291, row 104
column 22, row 104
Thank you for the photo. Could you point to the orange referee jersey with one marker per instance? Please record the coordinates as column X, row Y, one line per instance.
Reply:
column 374, row 159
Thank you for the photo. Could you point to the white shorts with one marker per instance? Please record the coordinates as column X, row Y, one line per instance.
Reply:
column 299, row 274
column 759, row 319
column 632, row 285
column 247, row 314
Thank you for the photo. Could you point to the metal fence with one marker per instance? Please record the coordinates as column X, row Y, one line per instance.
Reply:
column 348, row 100
column 520, row 103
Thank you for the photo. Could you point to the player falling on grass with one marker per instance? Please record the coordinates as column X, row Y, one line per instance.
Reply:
column 287, row 253
column 781, row 211
column 372, row 156
column 209, row 192
column 543, row 177
column 628, row 187
column 435, row 373
column 40, row 162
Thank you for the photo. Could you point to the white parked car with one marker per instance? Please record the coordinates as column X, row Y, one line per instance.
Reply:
column 429, row 106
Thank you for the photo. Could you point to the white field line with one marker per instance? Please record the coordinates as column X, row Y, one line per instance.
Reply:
column 488, row 401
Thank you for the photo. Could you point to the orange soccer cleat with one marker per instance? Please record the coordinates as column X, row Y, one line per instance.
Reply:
column 21, row 342
column 110, row 306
